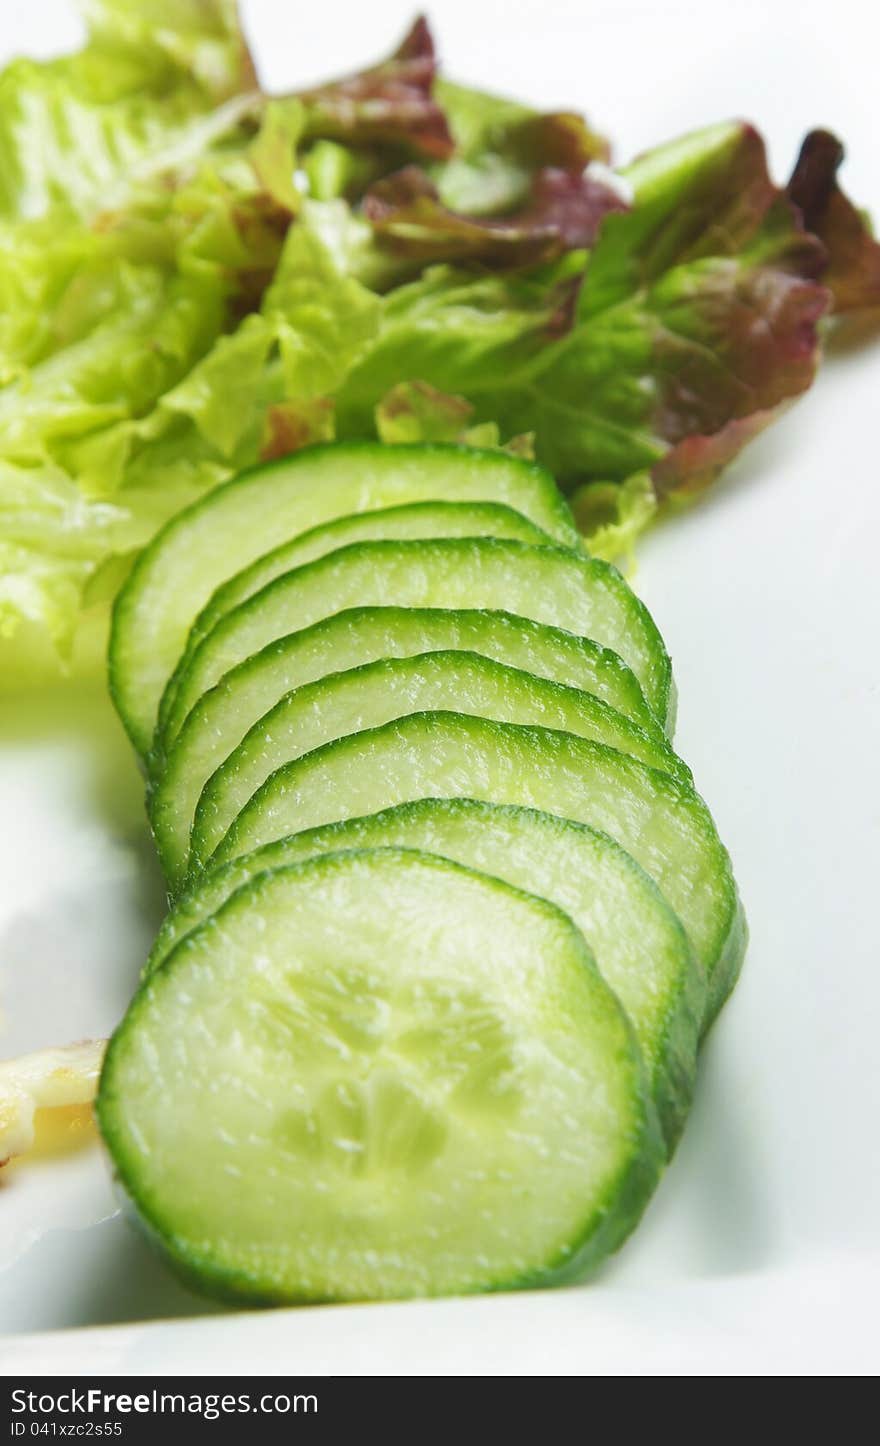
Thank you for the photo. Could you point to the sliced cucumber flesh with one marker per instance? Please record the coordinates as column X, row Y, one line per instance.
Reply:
column 659, row 820
column 236, row 523
column 376, row 693
column 426, row 1019
column 638, row 942
column 550, row 585
column 221, row 718
column 411, row 522
column 328, row 1093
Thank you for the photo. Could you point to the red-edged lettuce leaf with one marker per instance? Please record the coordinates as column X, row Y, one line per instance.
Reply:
column 500, row 144
column 564, row 213
column 391, row 103
column 725, row 279
column 695, row 317
column 704, row 194
column 557, row 138
column 853, row 271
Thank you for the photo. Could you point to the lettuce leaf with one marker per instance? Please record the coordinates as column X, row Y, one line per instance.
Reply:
column 290, row 426
column 613, row 515
column 161, row 41
column 692, row 319
column 391, row 103
column 462, row 334
column 142, row 210
column 194, row 275
column 76, row 133
column 154, row 330
column 52, row 540
column 853, row 271
column 501, row 144
column 563, row 212
column 315, row 322
column 417, row 412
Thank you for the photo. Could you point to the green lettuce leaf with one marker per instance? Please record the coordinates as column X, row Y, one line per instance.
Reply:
column 76, row 133
column 314, row 324
column 417, row 412
column 324, row 319
column 200, row 41
column 289, row 426
column 462, row 334
column 152, row 331
column 613, row 515
column 144, row 206
column 105, row 319
column 52, row 541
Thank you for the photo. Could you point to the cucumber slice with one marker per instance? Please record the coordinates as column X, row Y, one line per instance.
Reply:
column 238, row 522
column 330, row 1093
column 226, row 712
column 413, row 521
column 638, row 942
column 660, row 820
column 376, row 693
column 548, row 584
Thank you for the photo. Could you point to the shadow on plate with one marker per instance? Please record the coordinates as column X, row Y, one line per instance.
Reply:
column 110, row 788
column 710, row 1216
column 80, row 715
column 105, row 1275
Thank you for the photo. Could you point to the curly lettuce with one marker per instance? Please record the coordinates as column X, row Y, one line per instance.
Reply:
column 76, row 133
column 195, row 276
column 391, row 103
column 852, row 274
column 691, row 320
column 563, row 211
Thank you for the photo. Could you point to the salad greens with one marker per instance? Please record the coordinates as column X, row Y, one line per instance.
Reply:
column 195, row 276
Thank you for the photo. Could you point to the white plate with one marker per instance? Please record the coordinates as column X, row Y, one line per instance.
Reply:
column 761, row 1251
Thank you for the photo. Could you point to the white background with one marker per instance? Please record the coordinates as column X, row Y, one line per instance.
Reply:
column 761, row 1251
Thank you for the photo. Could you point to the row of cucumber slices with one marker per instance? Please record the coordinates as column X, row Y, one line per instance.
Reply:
column 448, row 918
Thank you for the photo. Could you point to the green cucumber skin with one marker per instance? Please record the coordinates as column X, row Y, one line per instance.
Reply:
column 513, row 844
column 470, row 572
column 221, row 878
column 410, row 522
column 349, row 639
column 728, row 967
column 152, row 624
column 535, row 763
column 609, row 1223
column 379, row 692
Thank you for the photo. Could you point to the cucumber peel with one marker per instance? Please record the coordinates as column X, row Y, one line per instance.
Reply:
column 638, row 942
column 375, row 1105
column 223, row 715
column 375, row 693
column 550, row 585
column 411, row 522
column 451, row 919
column 661, row 821
column 241, row 520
